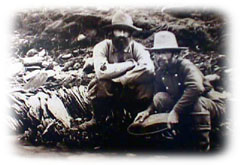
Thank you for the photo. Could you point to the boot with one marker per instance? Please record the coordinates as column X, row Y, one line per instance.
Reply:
column 99, row 113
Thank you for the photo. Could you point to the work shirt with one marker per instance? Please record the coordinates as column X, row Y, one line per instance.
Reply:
column 109, row 63
column 185, row 83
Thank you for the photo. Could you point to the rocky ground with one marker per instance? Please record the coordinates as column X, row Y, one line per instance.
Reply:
column 52, row 50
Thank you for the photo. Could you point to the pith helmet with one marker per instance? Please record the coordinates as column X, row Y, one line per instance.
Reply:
column 165, row 40
column 122, row 20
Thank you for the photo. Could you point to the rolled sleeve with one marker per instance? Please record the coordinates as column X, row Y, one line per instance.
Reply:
column 143, row 57
column 100, row 59
column 103, row 69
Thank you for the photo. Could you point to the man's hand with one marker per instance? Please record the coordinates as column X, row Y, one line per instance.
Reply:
column 173, row 118
column 141, row 116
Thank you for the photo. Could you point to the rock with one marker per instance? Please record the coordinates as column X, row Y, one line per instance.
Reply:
column 30, row 75
column 42, row 53
column 30, row 61
column 81, row 37
column 46, row 64
column 69, row 26
column 34, row 109
column 66, row 56
column 54, row 26
column 36, row 81
column 67, row 65
column 32, row 68
column 56, row 107
column 31, row 53
column 49, row 127
column 76, row 66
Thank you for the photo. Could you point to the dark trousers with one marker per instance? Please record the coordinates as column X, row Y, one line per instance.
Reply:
column 108, row 96
column 216, row 107
column 195, row 124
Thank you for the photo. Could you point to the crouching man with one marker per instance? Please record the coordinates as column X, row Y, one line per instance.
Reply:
column 123, row 70
column 182, row 91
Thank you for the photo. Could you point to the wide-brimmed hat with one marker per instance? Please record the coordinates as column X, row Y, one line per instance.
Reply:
column 165, row 40
column 122, row 20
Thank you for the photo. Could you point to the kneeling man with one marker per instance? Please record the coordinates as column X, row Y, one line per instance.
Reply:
column 180, row 87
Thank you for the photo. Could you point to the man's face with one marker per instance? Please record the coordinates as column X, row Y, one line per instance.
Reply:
column 162, row 59
column 121, row 38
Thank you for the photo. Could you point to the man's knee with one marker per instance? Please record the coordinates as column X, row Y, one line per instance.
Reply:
column 144, row 91
column 162, row 101
column 100, row 89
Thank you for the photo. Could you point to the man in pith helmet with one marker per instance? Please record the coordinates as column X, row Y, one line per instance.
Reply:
column 123, row 70
column 181, row 89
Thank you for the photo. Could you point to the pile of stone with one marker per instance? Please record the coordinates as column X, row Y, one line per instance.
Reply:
column 49, row 97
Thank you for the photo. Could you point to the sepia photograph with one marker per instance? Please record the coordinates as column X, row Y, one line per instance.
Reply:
column 92, row 81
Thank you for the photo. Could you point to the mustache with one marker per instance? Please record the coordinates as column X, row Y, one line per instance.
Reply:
column 123, row 39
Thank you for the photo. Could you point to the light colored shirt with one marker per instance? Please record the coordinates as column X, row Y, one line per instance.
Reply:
column 114, row 65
